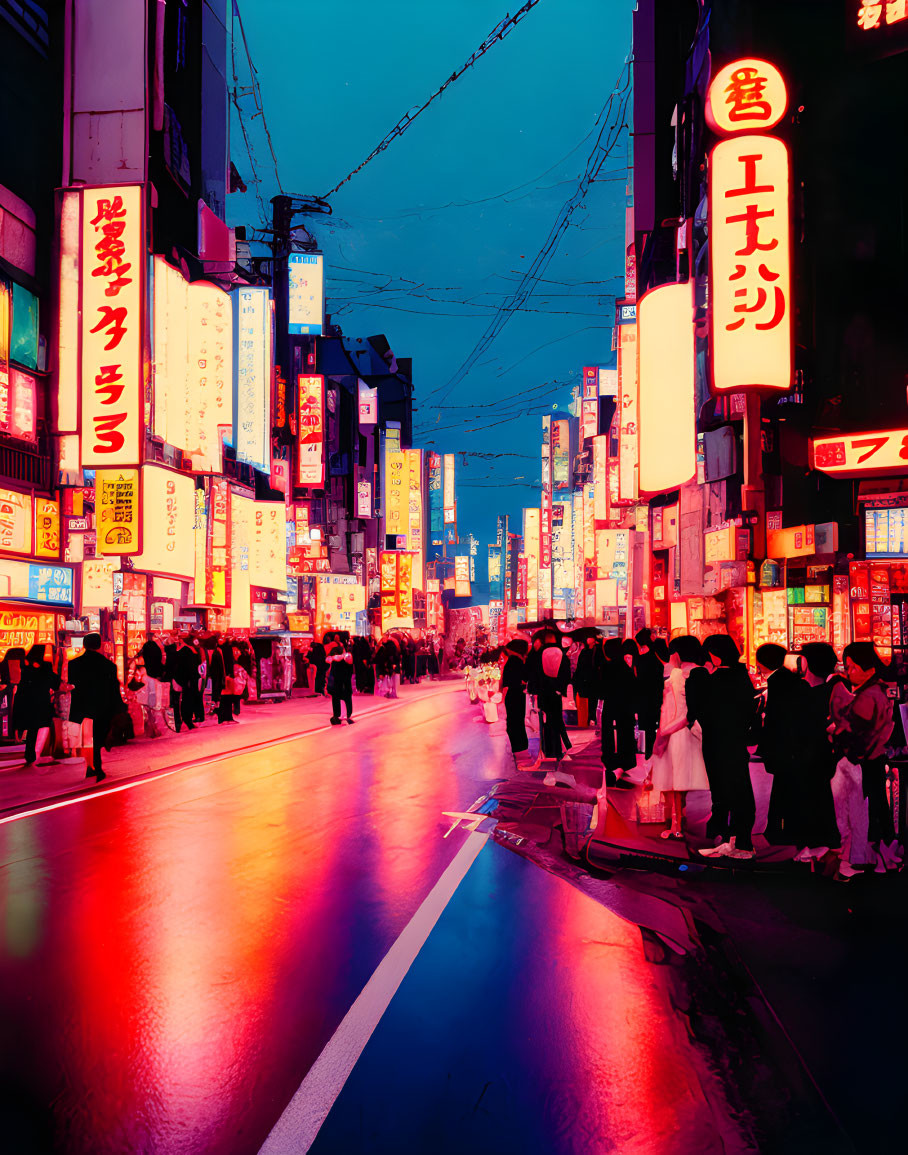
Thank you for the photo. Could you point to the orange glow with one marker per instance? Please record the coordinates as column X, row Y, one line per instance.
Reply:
column 668, row 434
column 117, row 511
column 311, row 411
column 531, row 543
column 627, row 411
column 268, row 545
column 112, row 276
column 16, row 521
column 168, row 523
column 750, row 264
column 879, row 453
column 47, row 527
column 415, row 528
column 241, row 516
column 746, row 96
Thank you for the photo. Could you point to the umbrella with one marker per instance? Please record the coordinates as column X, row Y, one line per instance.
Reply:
column 543, row 624
column 518, row 645
column 584, row 632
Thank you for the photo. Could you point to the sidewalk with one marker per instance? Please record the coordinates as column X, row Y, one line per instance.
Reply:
column 261, row 724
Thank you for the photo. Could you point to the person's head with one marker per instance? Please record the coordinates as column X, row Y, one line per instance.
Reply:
column 660, row 649
column 820, row 659
column 629, row 649
column 687, row 649
column 862, row 662
column 721, row 650
column 591, row 642
column 770, row 658
column 92, row 642
column 537, row 643
column 613, row 650
column 644, row 639
column 37, row 655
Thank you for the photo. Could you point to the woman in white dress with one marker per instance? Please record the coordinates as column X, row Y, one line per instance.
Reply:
column 678, row 755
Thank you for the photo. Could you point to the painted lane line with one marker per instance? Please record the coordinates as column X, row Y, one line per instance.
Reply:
column 296, row 1130
column 207, row 760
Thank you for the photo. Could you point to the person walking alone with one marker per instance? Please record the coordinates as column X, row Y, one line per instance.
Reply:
column 340, row 681
column 95, row 696
column 513, row 685
column 33, row 707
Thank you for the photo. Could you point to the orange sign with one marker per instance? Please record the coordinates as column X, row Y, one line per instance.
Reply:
column 746, row 96
column 880, row 453
column 25, row 629
column 117, row 509
column 875, row 13
column 47, row 527
column 111, row 274
column 311, row 409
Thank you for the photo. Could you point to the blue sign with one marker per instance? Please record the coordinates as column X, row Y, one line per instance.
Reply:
column 50, row 584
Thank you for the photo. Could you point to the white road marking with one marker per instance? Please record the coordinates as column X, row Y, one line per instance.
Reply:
column 297, row 1128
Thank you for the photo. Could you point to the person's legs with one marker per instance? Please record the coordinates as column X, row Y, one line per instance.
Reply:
column 31, row 739
column 742, row 807
column 609, row 744
column 225, row 708
column 626, row 747
column 176, row 704
column 347, row 699
column 97, row 747
column 719, row 773
column 395, row 682
column 336, row 699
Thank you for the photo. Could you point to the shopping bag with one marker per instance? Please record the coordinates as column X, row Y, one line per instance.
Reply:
column 650, row 808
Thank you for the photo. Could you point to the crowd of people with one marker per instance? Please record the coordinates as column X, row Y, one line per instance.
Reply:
column 693, row 713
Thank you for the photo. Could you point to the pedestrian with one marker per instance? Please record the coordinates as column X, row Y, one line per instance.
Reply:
column 818, row 832
column 586, row 679
column 678, row 751
column 340, row 681
column 184, row 685
column 650, row 672
column 222, row 668
column 554, row 679
column 863, row 724
column 780, row 742
column 724, row 704
column 241, row 680
column 95, row 696
column 618, row 691
column 513, row 686
column 33, row 706
column 319, row 660
column 151, row 668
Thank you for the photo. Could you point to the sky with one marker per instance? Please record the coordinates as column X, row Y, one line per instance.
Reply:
column 433, row 234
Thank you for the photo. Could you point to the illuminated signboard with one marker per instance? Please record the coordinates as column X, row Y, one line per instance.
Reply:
column 496, row 575
column 751, row 313
column 561, row 454
column 364, row 498
column 209, row 379
column 608, row 382
column 338, row 599
column 396, row 487
column 112, row 272
column 22, row 630
column 875, row 14
column 368, row 404
column 17, row 403
column 97, row 583
column 117, row 509
column 462, row 577
column 880, row 453
column 217, row 546
column 268, row 545
column 436, row 514
column 589, row 418
column 306, row 304
column 252, row 376
column 16, row 522
column 531, row 549
column 600, row 501
column 449, row 503
column 241, row 518
column 311, row 430
column 168, row 523
column 414, row 500
column 47, row 527
column 627, row 409
column 886, row 531
column 668, row 425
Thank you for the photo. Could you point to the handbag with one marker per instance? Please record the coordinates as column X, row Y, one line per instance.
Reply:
column 135, row 683
column 229, row 685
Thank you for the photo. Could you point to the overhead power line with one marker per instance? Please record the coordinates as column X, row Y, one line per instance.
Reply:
column 498, row 33
column 254, row 90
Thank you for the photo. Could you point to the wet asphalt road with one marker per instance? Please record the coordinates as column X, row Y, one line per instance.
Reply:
column 175, row 957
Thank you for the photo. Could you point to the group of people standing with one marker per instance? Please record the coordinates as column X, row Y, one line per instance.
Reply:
column 697, row 715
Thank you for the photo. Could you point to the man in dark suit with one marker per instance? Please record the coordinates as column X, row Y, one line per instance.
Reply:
column 780, row 743
column 96, row 695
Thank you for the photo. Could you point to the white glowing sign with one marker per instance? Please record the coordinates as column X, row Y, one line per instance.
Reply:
column 306, row 305
column 252, row 376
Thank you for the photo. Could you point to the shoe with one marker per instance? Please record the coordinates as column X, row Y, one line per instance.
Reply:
column 676, row 834
column 803, row 855
column 846, row 871
column 335, row 721
column 100, row 776
column 349, row 721
column 190, row 726
column 717, row 851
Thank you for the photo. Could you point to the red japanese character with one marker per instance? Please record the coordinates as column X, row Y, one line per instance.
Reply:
column 762, row 298
column 751, row 216
column 107, row 382
column 109, row 210
column 111, row 319
column 750, row 178
column 745, row 95
column 108, row 438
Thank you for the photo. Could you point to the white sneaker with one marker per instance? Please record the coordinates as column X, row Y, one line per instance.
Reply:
column 803, row 855
column 720, row 851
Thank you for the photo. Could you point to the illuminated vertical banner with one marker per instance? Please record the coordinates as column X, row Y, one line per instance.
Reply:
column 436, row 509
column 240, row 555
column 600, row 478
column 449, row 503
column 462, row 588
column 627, row 403
column 751, row 314
column 252, row 376
column 201, row 544
column 311, row 408
column 531, row 549
column 591, row 381
column 306, row 294
column 387, row 569
column 496, row 573
column 589, row 417
column 522, row 579
column 668, row 422
column 118, row 511
column 47, row 527
column 395, row 487
column 112, row 274
column 208, row 387
column 414, row 502
column 561, row 454
column 218, row 544
column 405, row 586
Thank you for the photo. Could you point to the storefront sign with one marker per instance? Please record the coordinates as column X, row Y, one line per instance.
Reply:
column 751, row 312
column 117, row 509
column 462, row 587
column 217, row 544
column 561, row 454
column 252, row 376
column 112, row 274
column 873, row 15
column 886, row 531
column 368, row 404
column 306, row 293
column 589, row 418
column 627, row 410
column 449, row 503
column 168, row 523
column 21, row 630
column 436, row 515
column 47, row 527
column 882, row 453
column 268, row 545
column 364, row 498
column 16, row 524
column 521, row 580
column 311, row 430
column 18, row 398
column 668, row 430
column 414, row 509
column 396, row 490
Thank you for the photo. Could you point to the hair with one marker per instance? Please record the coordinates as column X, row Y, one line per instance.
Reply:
column 771, row 657
column 660, row 649
column 613, row 649
column 723, row 649
column 687, row 648
column 37, row 654
column 629, row 646
column 864, row 654
column 820, row 658
column 92, row 642
column 644, row 637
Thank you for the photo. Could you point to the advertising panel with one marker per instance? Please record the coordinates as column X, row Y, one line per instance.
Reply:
column 16, row 522
column 50, row 584
column 627, row 411
column 531, row 550
column 668, row 425
column 311, row 409
column 218, row 544
column 368, row 404
column 97, row 583
column 268, row 552
column 414, row 498
column 338, row 599
column 364, row 498
column 168, row 523
column 436, row 522
column 111, row 274
column 449, row 503
column 23, row 629
column 561, row 454
column 18, row 397
column 589, row 417
column 47, row 527
column 396, row 487
column 306, row 294
column 241, row 518
column 252, row 376
column 462, row 587
column 882, row 453
column 496, row 573
column 117, row 509
column 600, row 478
column 405, row 587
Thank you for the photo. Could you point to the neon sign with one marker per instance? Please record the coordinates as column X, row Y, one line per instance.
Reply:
column 874, row 13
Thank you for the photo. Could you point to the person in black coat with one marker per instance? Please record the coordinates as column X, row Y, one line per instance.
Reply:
column 340, row 681
column 818, row 830
column 96, row 695
column 780, row 743
column 618, row 690
column 33, row 707
column 724, row 703
column 554, row 679
column 222, row 667
column 184, row 686
column 513, row 686
column 533, row 667
column 318, row 658
column 650, row 673
column 586, row 678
